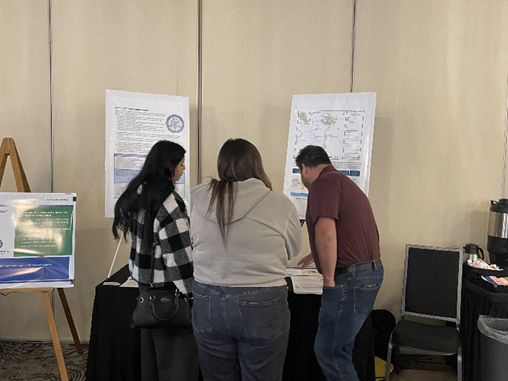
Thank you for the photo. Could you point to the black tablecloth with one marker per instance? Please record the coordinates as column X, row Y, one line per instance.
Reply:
column 114, row 351
column 477, row 300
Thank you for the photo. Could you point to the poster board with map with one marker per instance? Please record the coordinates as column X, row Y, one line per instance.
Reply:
column 343, row 124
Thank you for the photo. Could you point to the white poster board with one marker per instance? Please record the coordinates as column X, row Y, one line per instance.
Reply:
column 37, row 236
column 343, row 124
column 134, row 123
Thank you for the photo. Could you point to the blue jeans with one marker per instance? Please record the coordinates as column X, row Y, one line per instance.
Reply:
column 242, row 332
column 344, row 309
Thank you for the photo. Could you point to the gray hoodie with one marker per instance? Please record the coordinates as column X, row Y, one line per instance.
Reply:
column 264, row 234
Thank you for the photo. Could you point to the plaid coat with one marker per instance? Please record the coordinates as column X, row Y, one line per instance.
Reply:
column 172, row 247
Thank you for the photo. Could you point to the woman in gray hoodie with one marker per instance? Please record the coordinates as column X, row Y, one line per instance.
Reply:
column 243, row 234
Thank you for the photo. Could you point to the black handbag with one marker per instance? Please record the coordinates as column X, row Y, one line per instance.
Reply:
column 162, row 308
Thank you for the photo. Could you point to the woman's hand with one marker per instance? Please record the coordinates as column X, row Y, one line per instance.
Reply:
column 305, row 261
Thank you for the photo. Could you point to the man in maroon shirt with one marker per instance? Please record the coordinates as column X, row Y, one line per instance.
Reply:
column 344, row 242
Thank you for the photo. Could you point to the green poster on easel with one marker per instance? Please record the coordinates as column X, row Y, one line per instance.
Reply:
column 44, row 230
column 37, row 239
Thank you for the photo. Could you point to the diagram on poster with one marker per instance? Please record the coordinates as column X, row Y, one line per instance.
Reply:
column 37, row 239
column 343, row 124
column 134, row 123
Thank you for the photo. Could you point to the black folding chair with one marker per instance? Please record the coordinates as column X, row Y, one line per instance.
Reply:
column 431, row 290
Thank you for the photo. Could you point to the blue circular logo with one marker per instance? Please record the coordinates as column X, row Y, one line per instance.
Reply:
column 174, row 123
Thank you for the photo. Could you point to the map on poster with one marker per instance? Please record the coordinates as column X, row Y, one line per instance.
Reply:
column 37, row 239
column 134, row 123
column 343, row 124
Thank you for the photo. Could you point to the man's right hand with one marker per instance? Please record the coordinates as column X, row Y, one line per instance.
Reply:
column 305, row 261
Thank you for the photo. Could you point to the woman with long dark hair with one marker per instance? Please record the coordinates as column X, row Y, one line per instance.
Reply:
column 243, row 234
column 156, row 217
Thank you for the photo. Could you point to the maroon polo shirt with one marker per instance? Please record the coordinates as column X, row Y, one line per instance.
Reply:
column 336, row 196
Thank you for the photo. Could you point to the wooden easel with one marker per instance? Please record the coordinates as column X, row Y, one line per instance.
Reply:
column 8, row 148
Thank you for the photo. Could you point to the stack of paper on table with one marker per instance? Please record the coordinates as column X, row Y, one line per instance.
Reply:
column 305, row 280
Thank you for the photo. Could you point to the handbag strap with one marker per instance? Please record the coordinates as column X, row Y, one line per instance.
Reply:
column 152, row 265
column 114, row 258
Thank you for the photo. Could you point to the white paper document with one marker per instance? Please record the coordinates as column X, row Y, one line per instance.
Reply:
column 305, row 280
column 130, row 283
column 134, row 123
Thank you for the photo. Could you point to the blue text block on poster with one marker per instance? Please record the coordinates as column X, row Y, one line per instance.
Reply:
column 19, row 270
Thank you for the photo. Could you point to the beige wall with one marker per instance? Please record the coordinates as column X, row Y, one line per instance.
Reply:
column 256, row 55
column 25, row 116
column 439, row 70
column 24, row 88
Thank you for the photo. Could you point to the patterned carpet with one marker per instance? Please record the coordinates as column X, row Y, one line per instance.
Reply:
column 36, row 361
